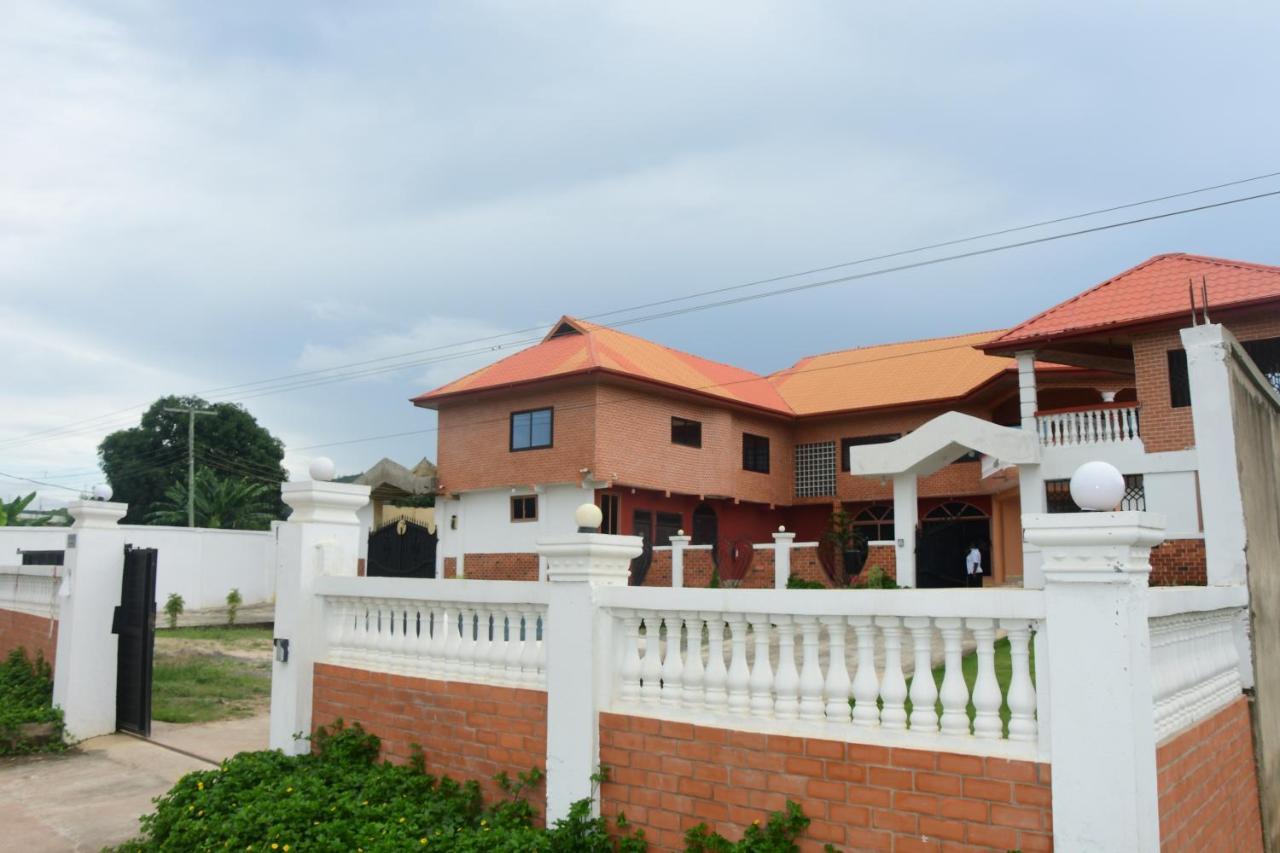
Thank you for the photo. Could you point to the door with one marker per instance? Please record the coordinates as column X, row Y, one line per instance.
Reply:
column 947, row 534
column 642, row 526
column 134, row 624
column 706, row 530
column 402, row 549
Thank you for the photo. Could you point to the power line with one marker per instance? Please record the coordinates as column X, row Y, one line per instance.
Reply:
column 67, row 431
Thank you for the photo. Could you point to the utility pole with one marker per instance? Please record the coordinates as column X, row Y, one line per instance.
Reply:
column 191, row 458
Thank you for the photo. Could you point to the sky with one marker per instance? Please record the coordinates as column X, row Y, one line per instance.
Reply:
column 201, row 195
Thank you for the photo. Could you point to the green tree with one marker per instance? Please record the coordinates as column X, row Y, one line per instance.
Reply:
column 9, row 510
column 141, row 463
column 230, row 503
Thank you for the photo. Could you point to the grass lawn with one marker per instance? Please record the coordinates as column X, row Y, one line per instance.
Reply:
column 210, row 673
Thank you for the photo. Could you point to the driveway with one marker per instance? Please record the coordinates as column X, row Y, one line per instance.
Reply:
column 93, row 796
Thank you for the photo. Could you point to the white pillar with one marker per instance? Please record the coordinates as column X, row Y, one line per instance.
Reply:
column 84, row 677
column 905, row 511
column 321, row 537
column 678, row 544
column 1213, row 417
column 1030, row 480
column 782, row 542
column 1027, row 403
column 1096, row 567
column 579, row 642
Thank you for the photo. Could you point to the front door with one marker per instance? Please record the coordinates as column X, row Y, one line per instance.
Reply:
column 402, row 549
column 135, row 626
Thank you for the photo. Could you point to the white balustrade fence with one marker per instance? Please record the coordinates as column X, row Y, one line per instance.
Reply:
column 30, row 589
column 842, row 660
column 1088, row 426
column 456, row 630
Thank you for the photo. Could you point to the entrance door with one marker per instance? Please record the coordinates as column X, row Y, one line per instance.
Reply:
column 945, row 537
column 135, row 625
column 402, row 549
column 642, row 526
column 706, row 530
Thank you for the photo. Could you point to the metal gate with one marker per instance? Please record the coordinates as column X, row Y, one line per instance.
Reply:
column 135, row 625
column 402, row 549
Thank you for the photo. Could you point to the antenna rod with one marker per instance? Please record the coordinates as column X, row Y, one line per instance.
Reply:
column 1191, row 291
column 1204, row 297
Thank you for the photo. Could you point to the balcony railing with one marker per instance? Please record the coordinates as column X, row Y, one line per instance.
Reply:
column 1103, row 423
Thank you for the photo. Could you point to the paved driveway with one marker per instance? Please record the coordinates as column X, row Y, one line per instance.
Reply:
column 84, row 800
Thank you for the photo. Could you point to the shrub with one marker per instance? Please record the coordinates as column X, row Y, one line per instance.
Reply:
column 233, row 604
column 28, row 720
column 795, row 582
column 173, row 608
column 875, row 578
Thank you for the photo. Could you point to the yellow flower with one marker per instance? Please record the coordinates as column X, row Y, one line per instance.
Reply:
column 286, row 848
column 200, row 813
column 422, row 841
column 200, row 785
column 483, row 822
column 288, row 790
column 275, row 846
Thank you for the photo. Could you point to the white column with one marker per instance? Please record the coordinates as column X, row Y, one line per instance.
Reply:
column 1096, row 567
column 84, row 680
column 1027, row 403
column 321, row 537
column 905, row 511
column 578, row 638
column 782, row 542
column 1030, row 480
column 678, row 544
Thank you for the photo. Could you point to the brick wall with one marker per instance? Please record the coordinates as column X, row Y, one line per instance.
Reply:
column 659, row 573
column 698, row 567
column 516, row 566
column 883, row 557
column 466, row 731
column 667, row 777
column 34, row 633
column 1179, row 562
column 1208, row 786
column 450, row 567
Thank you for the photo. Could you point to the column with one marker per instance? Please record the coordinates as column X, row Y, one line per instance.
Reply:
column 1027, row 404
column 321, row 537
column 678, row 544
column 1030, row 480
column 84, row 680
column 1098, row 663
column 905, row 511
column 580, row 653
column 782, row 542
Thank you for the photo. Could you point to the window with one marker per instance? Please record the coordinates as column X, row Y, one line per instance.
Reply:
column 859, row 441
column 755, row 453
column 524, row 508
column 816, row 469
column 669, row 524
column 686, row 432
column 1266, row 354
column 531, row 430
column 1058, row 495
column 609, row 513
column 875, row 522
column 1179, row 384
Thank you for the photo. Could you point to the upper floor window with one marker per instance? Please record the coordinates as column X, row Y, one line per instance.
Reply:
column 1179, row 382
column 524, row 508
column 686, row 432
column 816, row 469
column 846, row 443
column 531, row 430
column 1266, row 354
column 755, row 453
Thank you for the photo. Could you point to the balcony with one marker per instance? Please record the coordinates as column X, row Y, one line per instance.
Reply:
column 1102, row 423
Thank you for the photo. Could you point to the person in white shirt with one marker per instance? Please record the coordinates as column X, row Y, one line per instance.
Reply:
column 973, row 565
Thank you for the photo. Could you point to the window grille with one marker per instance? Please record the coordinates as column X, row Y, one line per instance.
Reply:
column 1266, row 354
column 875, row 522
column 1058, row 495
column 816, row 469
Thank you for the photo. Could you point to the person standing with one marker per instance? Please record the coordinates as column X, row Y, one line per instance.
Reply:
column 973, row 565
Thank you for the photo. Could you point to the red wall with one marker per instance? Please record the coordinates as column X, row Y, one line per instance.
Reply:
column 34, row 633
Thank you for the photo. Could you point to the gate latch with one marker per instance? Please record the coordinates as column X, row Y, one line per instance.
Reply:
column 282, row 649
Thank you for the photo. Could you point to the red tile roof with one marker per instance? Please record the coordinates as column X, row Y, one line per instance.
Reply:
column 1151, row 292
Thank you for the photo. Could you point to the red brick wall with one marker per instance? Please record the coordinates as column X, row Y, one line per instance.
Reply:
column 667, row 777
column 450, row 567
column 659, row 573
column 884, row 557
column 1208, row 786
column 516, row 566
column 33, row 633
column 466, row 731
column 1179, row 562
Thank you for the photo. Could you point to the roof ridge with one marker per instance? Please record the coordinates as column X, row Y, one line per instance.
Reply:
column 889, row 344
column 1230, row 262
column 615, row 330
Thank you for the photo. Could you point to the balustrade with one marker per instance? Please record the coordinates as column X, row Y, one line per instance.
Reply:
column 1070, row 427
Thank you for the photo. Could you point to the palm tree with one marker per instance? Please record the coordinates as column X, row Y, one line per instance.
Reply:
column 9, row 511
column 221, row 502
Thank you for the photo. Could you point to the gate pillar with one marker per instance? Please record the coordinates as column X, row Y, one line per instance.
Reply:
column 84, row 679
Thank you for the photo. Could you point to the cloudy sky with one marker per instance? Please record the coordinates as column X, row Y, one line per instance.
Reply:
column 200, row 195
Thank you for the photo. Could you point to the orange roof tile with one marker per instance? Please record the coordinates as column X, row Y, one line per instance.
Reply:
column 1153, row 291
column 592, row 348
column 889, row 374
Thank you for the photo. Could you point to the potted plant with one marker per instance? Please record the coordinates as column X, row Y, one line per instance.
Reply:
column 849, row 541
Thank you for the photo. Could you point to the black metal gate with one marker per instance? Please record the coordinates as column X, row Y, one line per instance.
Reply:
column 135, row 625
column 402, row 549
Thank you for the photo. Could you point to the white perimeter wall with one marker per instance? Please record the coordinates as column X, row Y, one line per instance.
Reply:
column 484, row 524
column 200, row 565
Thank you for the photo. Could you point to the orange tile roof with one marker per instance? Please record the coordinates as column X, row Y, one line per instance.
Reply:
column 890, row 374
column 1153, row 291
column 592, row 348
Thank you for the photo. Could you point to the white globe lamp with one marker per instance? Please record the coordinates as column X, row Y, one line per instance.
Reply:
column 102, row 492
column 588, row 517
column 1097, row 487
column 321, row 469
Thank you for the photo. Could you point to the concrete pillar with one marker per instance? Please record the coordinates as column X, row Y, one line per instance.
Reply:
column 906, row 509
column 678, row 544
column 1033, row 501
column 579, row 643
column 321, row 537
column 782, row 542
column 84, row 679
column 1098, row 669
column 1027, row 404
